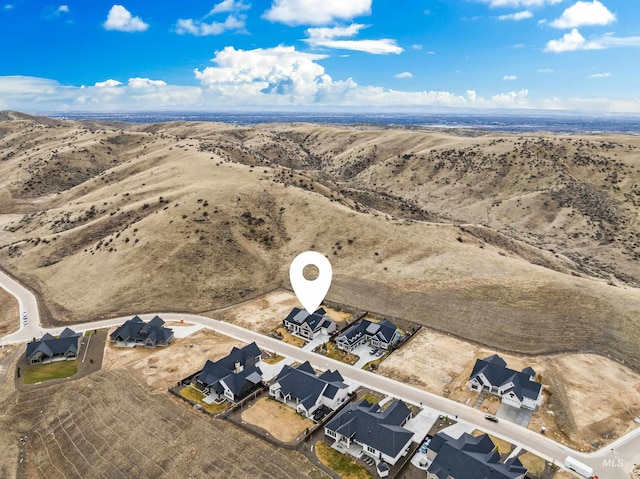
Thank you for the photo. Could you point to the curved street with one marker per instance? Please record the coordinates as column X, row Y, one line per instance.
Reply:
column 614, row 461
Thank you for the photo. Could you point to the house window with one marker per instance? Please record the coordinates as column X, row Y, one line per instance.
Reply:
column 371, row 450
column 330, row 433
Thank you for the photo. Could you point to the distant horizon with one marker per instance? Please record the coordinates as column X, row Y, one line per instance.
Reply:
column 481, row 121
column 567, row 55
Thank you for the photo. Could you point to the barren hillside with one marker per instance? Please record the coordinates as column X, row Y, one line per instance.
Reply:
column 530, row 239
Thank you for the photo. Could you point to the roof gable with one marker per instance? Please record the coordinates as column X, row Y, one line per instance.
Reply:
column 470, row 457
column 302, row 383
column 137, row 330
column 367, row 424
column 495, row 371
column 48, row 346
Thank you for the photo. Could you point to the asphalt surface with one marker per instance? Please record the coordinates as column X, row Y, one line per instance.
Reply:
column 612, row 462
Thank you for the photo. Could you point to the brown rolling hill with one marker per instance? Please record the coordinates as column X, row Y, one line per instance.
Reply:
column 526, row 243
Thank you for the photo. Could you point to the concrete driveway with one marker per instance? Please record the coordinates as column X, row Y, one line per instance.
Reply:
column 364, row 353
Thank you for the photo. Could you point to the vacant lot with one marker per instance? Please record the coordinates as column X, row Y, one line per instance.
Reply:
column 587, row 397
column 264, row 314
column 109, row 425
column 9, row 314
column 279, row 420
column 161, row 367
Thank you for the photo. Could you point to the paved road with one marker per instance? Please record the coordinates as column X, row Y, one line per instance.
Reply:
column 26, row 303
column 612, row 462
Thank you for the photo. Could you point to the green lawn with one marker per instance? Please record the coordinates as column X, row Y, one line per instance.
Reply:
column 44, row 372
column 343, row 465
column 192, row 394
column 334, row 353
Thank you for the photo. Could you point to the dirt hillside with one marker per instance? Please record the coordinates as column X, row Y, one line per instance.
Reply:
column 532, row 240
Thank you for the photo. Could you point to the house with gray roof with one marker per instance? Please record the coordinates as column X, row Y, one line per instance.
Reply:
column 301, row 323
column 135, row 331
column 516, row 388
column 231, row 378
column 301, row 387
column 50, row 348
column 382, row 335
column 469, row 457
column 377, row 432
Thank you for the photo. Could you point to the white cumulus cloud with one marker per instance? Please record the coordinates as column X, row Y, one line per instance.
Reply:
column 119, row 18
column 107, row 84
column 62, row 9
column 314, row 12
column 570, row 42
column 519, row 3
column 523, row 15
column 600, row 75
column 330, row 38
column 229, row 6
column 584, row 13
column 509, row 77
column 202, row 29
column 404, row 75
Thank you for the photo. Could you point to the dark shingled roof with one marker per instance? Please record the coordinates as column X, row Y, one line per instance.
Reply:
column 302, row 383
column 48, row 345
column 240, row 355
column 495, row 370
column 384, row 331
column 368, row 424
column 135, row 329
column 471, row 457
column 224, row 370
column 315, row 320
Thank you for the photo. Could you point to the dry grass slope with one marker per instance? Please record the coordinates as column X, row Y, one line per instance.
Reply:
column 509, row 233
column 152, row 437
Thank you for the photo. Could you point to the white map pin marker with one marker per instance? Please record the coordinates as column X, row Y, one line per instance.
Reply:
column 310, row 293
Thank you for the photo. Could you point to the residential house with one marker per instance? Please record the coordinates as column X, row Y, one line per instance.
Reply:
column 307, row 391
column 233, row 377
column 378, row 432
column 135, row 332
column 469, row 457
column 49, row 348
column 382, row 335
column 301, row 323
column 516, row 388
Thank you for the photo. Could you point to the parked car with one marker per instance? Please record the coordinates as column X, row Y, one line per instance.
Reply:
column 425, row 446
column 491, row 417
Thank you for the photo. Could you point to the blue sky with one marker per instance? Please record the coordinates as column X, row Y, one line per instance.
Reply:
column 305, row 54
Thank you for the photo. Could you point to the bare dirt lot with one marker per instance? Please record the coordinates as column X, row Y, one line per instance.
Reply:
column 265, row 314
column 588, row 400
column 160, row 368
column 110, row 425
column 279, row 420
column 9, row 314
